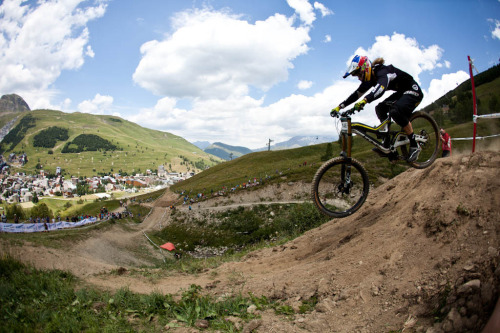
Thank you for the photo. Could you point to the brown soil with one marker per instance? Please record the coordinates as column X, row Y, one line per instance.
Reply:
column 425, row 245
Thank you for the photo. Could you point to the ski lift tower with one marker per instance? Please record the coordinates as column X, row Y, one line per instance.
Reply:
column 269, row 145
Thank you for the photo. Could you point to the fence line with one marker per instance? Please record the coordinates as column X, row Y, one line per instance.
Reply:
column 39, row 227
column 477, row 137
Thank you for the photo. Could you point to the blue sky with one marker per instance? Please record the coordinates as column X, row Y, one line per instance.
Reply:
column 234, row 71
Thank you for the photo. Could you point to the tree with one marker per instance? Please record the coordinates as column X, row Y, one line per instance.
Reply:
column 48, row 138
column 82, row 188
column 439, row 117
column 493, row 104
column 14, row 209
column 41, row 210
column 328, row 153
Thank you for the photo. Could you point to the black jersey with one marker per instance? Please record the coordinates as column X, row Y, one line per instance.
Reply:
column 383, row 78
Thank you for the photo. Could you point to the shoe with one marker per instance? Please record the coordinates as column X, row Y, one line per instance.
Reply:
column 414, row 152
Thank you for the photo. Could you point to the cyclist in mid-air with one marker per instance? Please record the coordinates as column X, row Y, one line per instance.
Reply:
column 399, row 105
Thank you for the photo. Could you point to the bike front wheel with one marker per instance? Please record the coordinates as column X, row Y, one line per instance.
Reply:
column 340, row 187
column 426, row 133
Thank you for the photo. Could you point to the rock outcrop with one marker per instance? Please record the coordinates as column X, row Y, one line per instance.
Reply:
column 13, row 103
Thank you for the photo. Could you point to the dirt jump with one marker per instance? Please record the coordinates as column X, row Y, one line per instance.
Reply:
column 424, row 246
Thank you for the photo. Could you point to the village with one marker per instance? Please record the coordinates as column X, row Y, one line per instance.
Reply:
column 22, row 188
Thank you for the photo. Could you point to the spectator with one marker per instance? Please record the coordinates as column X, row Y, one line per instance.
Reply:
column 446, row 143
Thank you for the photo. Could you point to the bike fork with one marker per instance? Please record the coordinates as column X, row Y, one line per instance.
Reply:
column 345, row 179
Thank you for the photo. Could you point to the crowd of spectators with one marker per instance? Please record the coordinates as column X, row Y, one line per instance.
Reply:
column 104, row 214
column 187, row 199
column 190, row 199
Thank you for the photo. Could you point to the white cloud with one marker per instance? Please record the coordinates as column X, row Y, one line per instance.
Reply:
column 304, row 9
column 303, row 85
column 101, row 104
column 324, row 11
column 245, row 121
column 327, row 39
column 217, row 55
column 239, row 119
column 90, row 52
column 405, row 53
column 439, row 87
column 66, row 104
column 40, row 41
column 495, row 33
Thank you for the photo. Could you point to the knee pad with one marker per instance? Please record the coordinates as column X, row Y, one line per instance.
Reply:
column 382, row 111
column 398, row 116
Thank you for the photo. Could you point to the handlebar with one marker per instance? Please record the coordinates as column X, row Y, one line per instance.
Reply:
column 345, row 113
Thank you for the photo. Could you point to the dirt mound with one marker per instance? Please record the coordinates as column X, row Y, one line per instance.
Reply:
column 425, row 245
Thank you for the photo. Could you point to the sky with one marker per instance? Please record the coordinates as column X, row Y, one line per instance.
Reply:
column 233, row 71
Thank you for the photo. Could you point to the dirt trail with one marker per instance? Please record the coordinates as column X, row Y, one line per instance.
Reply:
column 422, row 236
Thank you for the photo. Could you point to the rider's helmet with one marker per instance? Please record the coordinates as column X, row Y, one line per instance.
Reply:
column 361, row 67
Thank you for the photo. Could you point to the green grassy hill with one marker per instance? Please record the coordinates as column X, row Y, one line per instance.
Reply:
column 288, row 165
column 291, row 165
column 139, row 148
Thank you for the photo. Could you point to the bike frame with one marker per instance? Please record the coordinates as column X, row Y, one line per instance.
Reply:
column 383, row 131
column 348, row 127
column 399, row 138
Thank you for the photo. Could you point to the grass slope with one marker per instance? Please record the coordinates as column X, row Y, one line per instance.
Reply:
column 141, row 148
column 288, row 165
column 299, row 164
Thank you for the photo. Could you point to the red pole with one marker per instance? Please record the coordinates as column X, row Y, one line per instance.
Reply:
column 475, row 105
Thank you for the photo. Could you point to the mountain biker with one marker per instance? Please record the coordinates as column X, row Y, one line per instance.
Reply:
column 399, row 105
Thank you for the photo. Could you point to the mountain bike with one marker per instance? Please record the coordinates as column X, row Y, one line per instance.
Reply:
column 341, row 185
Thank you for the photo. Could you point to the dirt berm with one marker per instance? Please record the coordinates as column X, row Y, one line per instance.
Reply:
column 423, row 248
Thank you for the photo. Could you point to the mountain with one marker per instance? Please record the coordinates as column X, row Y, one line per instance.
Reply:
column 223, row 151
column 11, row 107
column 226, row 152
column 201, row 144
column 300, row 141
column 13, row 103
column 84, row 144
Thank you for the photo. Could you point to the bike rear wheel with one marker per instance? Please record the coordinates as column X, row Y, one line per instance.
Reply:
column 426, row 131
column 340, row 187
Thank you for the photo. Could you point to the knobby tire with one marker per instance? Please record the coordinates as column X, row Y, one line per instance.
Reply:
column 325, row 188
column 424, row 124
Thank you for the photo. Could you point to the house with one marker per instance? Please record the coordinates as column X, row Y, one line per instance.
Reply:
column 14, row 198
column 28, row 197
column 68, row 186
column 162, row 172
column 136, row 182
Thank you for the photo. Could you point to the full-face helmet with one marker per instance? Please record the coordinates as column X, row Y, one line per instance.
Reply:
column 361, row 67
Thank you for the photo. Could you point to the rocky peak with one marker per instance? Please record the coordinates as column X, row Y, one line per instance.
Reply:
column 13, row 103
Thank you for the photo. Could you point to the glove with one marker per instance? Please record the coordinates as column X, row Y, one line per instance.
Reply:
column 360, row 105
column 335, row 111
